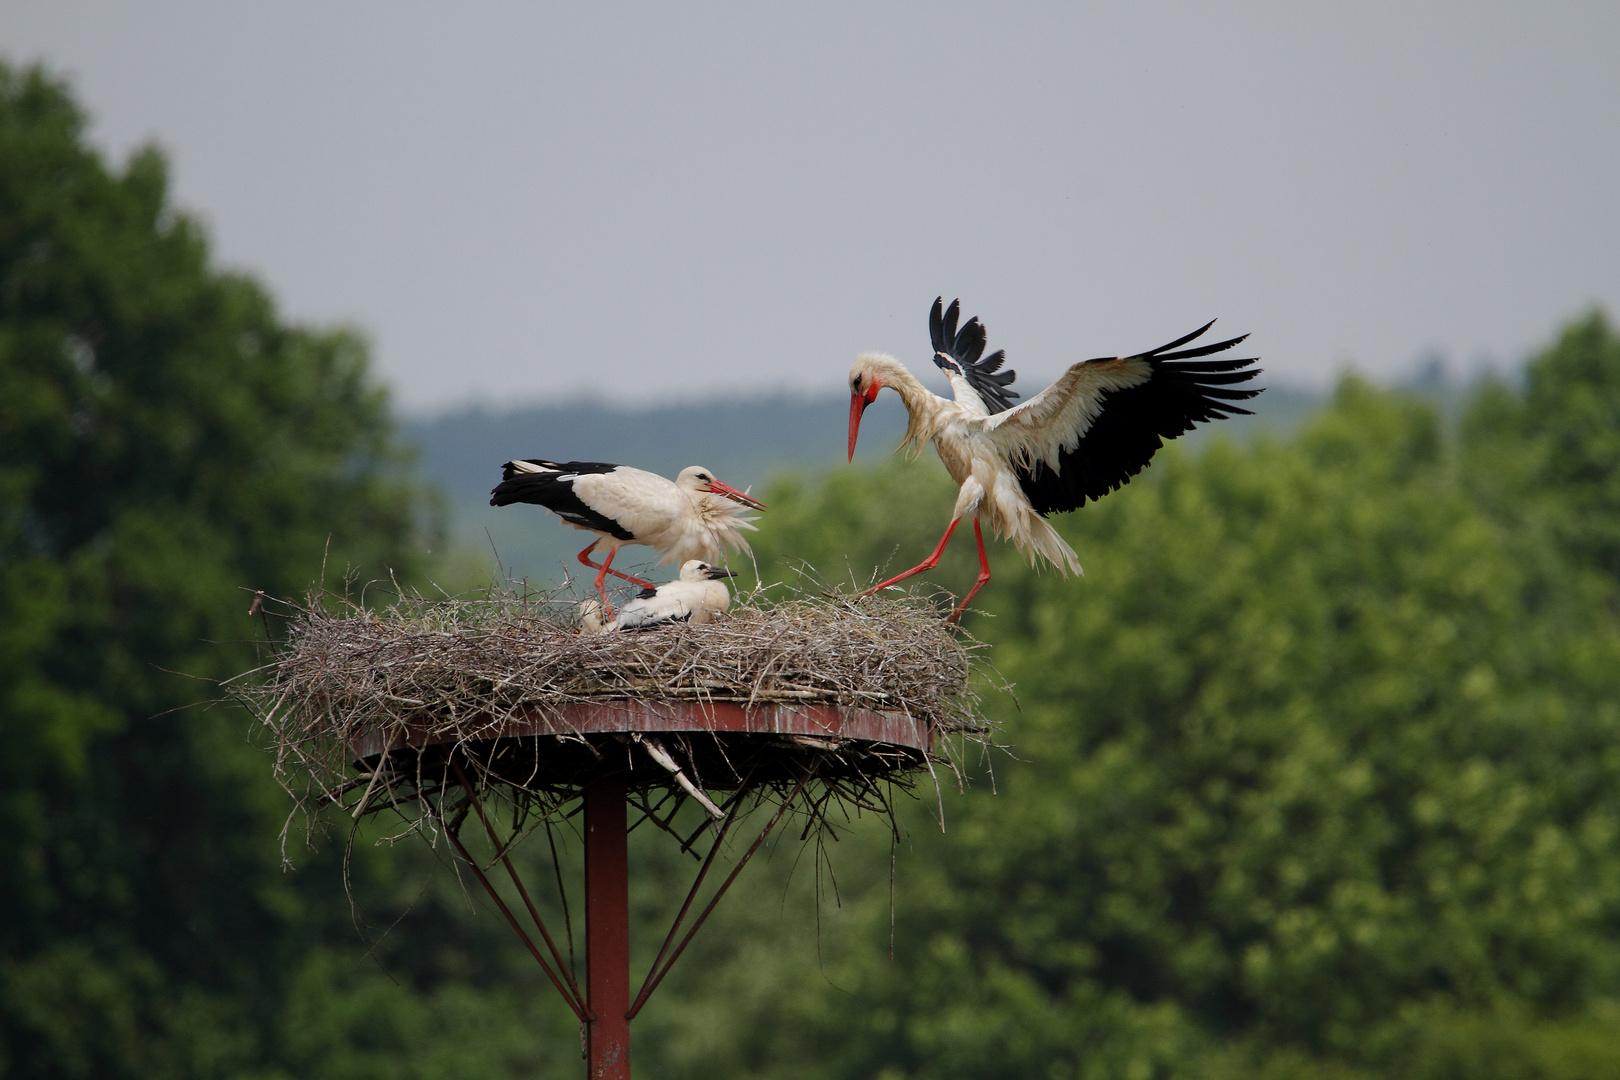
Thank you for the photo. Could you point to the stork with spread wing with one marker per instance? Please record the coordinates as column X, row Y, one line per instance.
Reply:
column 1080, row 438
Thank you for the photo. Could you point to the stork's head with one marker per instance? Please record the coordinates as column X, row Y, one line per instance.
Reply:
column 697, row 478
column 866, row 377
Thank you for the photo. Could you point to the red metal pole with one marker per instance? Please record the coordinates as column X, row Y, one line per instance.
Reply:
column 607, row 931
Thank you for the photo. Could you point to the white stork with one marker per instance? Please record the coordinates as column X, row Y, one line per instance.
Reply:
column 693, row 516
column 697, row 596
column 1080, row 438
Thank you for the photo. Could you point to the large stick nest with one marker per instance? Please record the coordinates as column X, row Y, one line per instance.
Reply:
column 439, row 681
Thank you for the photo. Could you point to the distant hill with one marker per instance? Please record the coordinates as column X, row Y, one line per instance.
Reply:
column 745, row 441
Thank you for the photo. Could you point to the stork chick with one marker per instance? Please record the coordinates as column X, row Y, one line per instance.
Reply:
column 697, row 596
column 590, row 617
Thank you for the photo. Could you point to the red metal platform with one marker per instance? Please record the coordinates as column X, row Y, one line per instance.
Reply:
column 794, row 738
column 623, row 717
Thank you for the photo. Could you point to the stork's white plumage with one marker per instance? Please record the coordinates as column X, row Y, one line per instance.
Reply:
column 693, row 516
column 1080, row 438
column 696, row 597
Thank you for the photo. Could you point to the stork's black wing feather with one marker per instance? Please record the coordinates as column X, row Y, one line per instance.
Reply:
column 959, row 351
column 561, row 468
column 553, row 488
column 654, row 624
column 1133, row 423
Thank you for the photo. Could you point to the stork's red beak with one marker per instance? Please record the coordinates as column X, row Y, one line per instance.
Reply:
column 857, row 405
column 735, row 496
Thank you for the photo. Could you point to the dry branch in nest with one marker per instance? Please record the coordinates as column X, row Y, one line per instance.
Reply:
column 429, row 707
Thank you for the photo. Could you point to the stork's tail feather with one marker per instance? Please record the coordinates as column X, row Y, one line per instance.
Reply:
column 1041, row 541
column 523, row 481
column 522, row 488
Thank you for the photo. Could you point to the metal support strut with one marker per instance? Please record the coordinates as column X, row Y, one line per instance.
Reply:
column 517, row 927
column 607, row 931
column 665, row 958
column 605, row 1008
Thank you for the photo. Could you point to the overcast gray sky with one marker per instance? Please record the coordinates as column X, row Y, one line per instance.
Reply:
column 524, row 203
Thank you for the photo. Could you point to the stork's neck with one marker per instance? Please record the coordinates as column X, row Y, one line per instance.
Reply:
column 926, row 411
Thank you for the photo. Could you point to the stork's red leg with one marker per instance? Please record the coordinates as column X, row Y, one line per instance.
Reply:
column 984, row 574
column 585, row 557
column 927, row 564
column 601, row 577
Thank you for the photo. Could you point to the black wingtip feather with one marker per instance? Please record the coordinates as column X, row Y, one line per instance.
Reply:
column 1178, row 343
column 1185, row 390
column 1225, row 378
column 1229, row 395
column 1192, row 354
column 970, row 343
column 1206, row 367
column 962, row 352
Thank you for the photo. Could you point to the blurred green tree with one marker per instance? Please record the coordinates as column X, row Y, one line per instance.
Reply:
column 167, row 441
column 1317, row 766
column 1548, row 458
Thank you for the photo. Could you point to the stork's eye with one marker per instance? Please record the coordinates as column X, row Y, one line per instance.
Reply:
column 706, row 478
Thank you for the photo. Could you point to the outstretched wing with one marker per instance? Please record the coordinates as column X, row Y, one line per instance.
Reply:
column 958, row 352
column 1103, row 420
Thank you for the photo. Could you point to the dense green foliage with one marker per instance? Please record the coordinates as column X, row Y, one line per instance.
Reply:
column 167, row 441
column 1315, row 773
column 1322, row 756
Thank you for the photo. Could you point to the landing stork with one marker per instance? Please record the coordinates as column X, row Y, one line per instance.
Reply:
column 693, row 516
column 1085, row 435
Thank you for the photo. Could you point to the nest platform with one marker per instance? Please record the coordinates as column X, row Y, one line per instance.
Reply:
column 510, row 685
column 725, row 745
column 499, row 711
